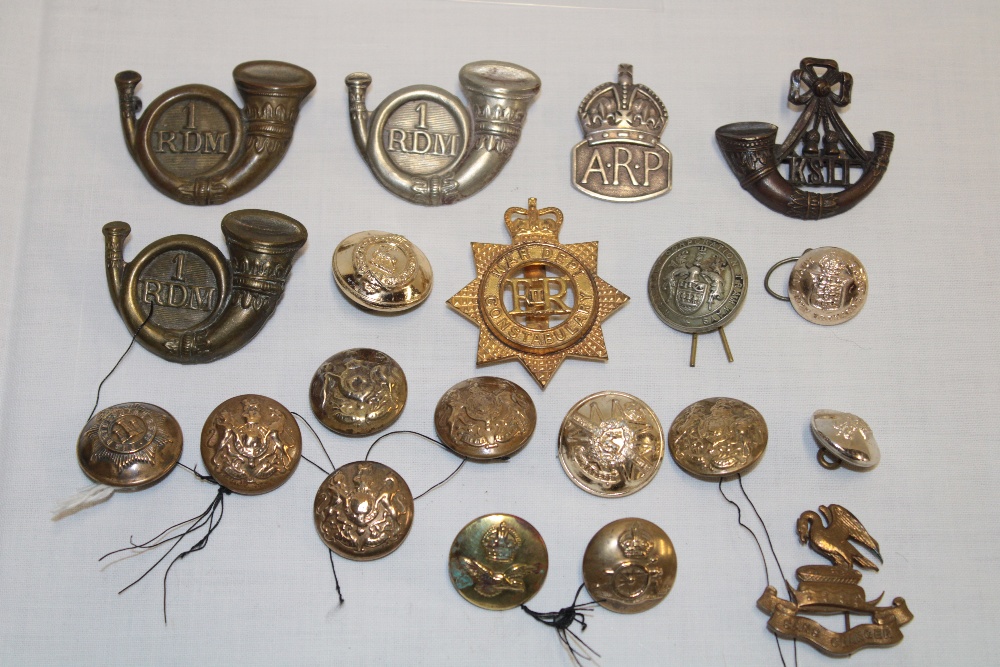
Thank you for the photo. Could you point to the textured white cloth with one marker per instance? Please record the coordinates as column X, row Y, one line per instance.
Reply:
column 919, row 364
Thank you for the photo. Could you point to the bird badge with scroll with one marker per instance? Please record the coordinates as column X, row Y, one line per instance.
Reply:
column 833, row 589
column 621, row 157
column 537, row 300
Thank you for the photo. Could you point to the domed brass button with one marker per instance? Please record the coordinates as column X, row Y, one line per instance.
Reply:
column 717, row 437
column 358, row 392
column 130, row 445
column 498, row 561
column 485, row 418
column 381, row 271
column 363, row 511
column 629, row 566
column 611, row 444
column 251, row 444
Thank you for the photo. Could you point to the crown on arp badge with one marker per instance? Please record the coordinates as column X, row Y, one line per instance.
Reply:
column 621, row 158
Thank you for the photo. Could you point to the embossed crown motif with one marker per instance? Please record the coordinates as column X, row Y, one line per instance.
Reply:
column 532, row 224
column 622, row 111
column 500, row 543
column 634, row 543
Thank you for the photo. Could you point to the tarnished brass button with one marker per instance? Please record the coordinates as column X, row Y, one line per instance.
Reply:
column 485, row 418
column 629, row 566
column 251, row 444
column 717, row 437
column 381, row 271
column 363, row 510
column 611, row 444
column 358, row 392
column 130, row 445
column 498, row 561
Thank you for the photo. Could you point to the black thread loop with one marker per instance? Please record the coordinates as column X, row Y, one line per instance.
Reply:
column 563, row 621
column 120, row 360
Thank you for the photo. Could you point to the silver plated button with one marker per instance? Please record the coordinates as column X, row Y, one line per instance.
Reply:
column 844, row 438
column 826, row 286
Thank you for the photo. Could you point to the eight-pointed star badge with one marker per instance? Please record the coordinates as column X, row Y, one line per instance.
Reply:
column 537, row 300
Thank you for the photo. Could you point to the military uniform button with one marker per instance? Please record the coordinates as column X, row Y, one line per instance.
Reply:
column 363, row 510
column 826, row 286
column 130, row 445
column 717, row 437
column 844, row 438
column 358, row 392
column 382, row 272
column 485, row 418
column 629, row 566
column 251, row 444
column 498, row 561
column 611, row 444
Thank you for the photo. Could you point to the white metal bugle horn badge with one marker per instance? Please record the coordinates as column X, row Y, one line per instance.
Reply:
column 621, row 158
column 423, row 145
column 196, row 146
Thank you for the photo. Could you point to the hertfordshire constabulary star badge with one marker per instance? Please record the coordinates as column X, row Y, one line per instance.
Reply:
column 537, row 300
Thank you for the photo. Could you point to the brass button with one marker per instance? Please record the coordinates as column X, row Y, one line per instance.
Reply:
column 629, row 566
column 498, row 562
column 717, row 437
column 251, row 444
column 130, row 445
column 485, row 418
column 381, row 271
column 358, row 392
column 611, row 444
column 363, row 510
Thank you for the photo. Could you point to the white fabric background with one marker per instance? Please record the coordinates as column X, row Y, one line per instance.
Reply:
column 920, row 363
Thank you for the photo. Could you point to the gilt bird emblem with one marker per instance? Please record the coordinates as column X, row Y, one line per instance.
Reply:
column 833, row 539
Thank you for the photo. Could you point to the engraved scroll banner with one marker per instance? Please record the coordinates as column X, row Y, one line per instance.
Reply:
column 785, row 622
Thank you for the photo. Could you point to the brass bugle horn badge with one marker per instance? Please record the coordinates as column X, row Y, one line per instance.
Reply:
column 819, row 152
column 196, row 146
column 423, row 145
column 186, row 301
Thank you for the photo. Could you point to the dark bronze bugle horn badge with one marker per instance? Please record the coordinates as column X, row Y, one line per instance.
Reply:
column 819, row 152
column 188, row 303
column 196, row 146
column 423, row 145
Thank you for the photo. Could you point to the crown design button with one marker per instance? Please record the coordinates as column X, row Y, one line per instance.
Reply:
column 611, row 444
column 485, row 418
column 251, row 444
column 382, row 272
column 130, row 445
column 358, row 392
column 622, row 158
column 629, row 566
column 498, row 561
